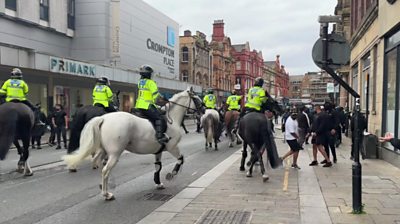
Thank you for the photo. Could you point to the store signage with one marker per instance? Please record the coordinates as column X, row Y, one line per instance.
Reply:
column 330, row 88
column 167, row 52
column 61, row 65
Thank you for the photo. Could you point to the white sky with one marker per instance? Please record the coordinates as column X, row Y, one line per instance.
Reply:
column 286, row 27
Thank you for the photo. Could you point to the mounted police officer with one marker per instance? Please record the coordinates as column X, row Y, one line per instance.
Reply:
column 210, row 102
column 102, row 95
column 257, row 99
column 233, row 101
column 148, row 94
column 16, row 89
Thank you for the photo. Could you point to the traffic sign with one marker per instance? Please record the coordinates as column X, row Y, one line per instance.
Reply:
column 338, row 52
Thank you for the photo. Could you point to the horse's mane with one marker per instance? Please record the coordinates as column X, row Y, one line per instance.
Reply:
column 176, row 96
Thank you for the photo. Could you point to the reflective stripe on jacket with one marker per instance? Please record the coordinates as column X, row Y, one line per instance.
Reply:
column 210, row 101
column 148, row 93
column 15, row 89
column 255, row 98
column 102, row 94
column 233, row 102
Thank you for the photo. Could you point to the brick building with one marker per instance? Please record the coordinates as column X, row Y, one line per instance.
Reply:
column 281, row 80
column 295, row 83
column 195, row 59
column 222, row 62
column 248, row 66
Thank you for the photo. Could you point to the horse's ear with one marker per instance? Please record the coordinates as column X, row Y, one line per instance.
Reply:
column 191, row 89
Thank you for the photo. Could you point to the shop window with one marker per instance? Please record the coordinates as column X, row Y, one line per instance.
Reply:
column 44, row 10
column 354, row 72
column 185, row 76
column 366, row 62
column 71, row 14
column 11, row 4
column 185, row 54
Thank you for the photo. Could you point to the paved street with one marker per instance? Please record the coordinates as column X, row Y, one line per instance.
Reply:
column 53, row 195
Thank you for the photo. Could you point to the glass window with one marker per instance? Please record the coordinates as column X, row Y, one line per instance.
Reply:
column 44, row 10
column 391, row 58
column 71, row 14
column 354, row 72
column 185, row 54
column 11, row 4
column 238, row 65
column 364, row 82
column 185, row 76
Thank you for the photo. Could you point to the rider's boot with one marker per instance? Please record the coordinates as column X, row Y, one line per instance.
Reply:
column 161, row 137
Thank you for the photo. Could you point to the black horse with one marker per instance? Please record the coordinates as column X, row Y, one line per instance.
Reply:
column 16, row 122
column 256, row 131
column 81, row 117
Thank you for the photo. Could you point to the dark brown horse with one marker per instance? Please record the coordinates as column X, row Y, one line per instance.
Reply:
column 16, row 122
column 231, row 116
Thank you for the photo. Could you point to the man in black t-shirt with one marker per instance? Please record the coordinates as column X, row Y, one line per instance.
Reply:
column 60, row 122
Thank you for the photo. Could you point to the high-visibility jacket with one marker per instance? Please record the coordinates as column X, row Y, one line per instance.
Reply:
column 233, row 102
column 210, row 101
column 255, row 98
column 15, row 89
column 148, row 93
column 102, row 94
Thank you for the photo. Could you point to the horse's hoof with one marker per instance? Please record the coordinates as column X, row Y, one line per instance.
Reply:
column 242, row 168
column 169, row 176
column 19, row 170
column 94, row 168
column 109, row 197
column 248, row 163
column 160, row 186
column 73, row 170
column 216, row 149
column 265, row 178
column 28, row 174
column 249, row 174
column 239, row 142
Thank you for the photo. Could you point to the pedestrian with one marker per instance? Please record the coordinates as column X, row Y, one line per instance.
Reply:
column 39, row 127
column 333, row 123
column 284, row 118
column 319, row 136
column 304, row 125
column 389, row 137
column 60, row 122
column 52, row 136
column 276, row 118
column 292, row 137
column 362, row 126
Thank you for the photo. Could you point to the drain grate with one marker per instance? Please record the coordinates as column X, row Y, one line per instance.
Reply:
column 214, row 216
column 157, row 197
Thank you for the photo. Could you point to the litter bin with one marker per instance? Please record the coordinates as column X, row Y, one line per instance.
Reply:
column 370, row 146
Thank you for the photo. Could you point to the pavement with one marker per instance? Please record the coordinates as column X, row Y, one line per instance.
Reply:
column 309, row 195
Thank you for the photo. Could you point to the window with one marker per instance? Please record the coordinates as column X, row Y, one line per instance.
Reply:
column 185, row 76
column 11, row 4
column 238, row 65
column 71, row 14
column 44, row 10
column 185, row 54
column 366, row 62
column 354, row 72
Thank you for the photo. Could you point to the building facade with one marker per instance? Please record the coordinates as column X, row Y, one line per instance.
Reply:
column 248, row 66
column 222, row 62
column 314, row 87
column 295, row 83
column 63, row 46
column 281, row 80
column 195, row 59
column 269, row 77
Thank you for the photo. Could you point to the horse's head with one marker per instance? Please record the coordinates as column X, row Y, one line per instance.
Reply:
column 196, row 102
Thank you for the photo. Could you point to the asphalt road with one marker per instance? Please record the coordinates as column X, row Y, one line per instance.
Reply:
column 53, row 195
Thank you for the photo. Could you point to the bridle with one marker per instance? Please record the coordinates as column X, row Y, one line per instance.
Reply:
column 198, row 107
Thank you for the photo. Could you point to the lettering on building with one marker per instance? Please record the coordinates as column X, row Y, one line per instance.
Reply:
column 66, row 66
column 168, row 53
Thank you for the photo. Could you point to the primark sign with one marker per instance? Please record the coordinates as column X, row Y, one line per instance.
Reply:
column 61, row 65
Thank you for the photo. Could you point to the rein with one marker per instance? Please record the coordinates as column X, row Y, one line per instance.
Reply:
column 181, row 105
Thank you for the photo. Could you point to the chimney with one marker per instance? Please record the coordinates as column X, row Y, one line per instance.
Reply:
column 218, row 30
column 187, row 33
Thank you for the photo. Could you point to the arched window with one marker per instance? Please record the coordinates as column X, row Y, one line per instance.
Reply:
column 185, row 54
column 185, row 76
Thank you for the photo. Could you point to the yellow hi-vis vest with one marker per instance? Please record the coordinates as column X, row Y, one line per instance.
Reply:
column 15, row 89
column 210, row 101
column 255, row 98
column 148, row 93
column 102, row 94
column 233, row 102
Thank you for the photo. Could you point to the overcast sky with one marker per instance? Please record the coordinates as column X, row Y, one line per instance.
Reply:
column 286, row 27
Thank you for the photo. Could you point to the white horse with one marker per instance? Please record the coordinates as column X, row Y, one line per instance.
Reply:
column 210, row 123
column 115, row 132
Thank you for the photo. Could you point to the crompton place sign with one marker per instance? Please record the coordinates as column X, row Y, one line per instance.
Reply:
column 168, row 53
column 61, row 65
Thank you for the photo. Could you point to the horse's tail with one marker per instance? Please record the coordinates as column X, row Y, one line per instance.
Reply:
column 210, row 130
column 75, row 132
column 8, row 134
column 89, row 142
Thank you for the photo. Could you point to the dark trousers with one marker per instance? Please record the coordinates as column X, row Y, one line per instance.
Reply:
column 52, row 135
column 330, row 146
column 36, row 139
column 108, row 109
column 60, row 130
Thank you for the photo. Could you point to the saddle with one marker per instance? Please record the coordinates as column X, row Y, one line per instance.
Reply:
column 139, row 113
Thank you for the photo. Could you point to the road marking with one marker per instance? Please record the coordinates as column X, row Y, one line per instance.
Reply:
column 194, row 173
column 286, row 176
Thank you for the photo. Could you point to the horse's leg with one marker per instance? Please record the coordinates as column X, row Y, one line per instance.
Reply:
column 175, row 153
column 20, row 164
column 97, row 158
column 244, row 156
column 158, row 167
column 264, row 175
column 112, row 160
column 252, row 161
column 25, row 153
column 216, row 143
